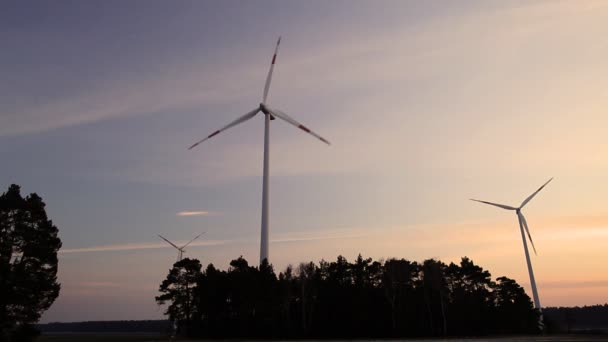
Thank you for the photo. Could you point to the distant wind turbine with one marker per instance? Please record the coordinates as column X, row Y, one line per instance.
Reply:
column 270, row 114
column 523, row 225
column 180, row 250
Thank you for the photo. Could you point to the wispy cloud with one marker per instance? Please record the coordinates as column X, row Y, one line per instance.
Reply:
column 196, row 213
column 137, row 246
column 430, row 53
column 123, row 97
column 180, row 85
column 318, row 235
column 98, row 284
column 573, row 284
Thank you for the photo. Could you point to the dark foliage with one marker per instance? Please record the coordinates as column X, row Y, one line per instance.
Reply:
column 180, row 289
column 363, row 299
column 28, row 264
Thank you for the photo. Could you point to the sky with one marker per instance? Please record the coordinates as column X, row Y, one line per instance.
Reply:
column 427, row 104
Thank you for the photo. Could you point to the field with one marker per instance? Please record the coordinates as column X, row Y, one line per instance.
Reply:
column 153, row 338
column 100, row 337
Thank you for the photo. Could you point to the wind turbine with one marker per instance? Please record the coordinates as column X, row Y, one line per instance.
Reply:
column 269, row 114
column 180, row 250
column 523, row 225
column 180, row 254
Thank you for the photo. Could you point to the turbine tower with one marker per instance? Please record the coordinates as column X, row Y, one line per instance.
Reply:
column 523, row 225
column 269, row 114
column 180, row 250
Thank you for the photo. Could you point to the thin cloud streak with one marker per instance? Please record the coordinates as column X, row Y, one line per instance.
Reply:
column 197, row 213
column 124, row 98
column 565, row 284
column 327, row 235
column 136, row 246
column 98, row 284
column 291, row 237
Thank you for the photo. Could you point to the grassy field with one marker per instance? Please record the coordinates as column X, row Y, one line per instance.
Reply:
column 101, row 338
column 154, row 338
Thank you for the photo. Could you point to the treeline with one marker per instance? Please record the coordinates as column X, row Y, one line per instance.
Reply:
column 363, row 299
column 577, row 319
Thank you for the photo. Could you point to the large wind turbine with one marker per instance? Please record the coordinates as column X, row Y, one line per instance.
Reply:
column 269, row 114
column 523, row 225
column 180, row 250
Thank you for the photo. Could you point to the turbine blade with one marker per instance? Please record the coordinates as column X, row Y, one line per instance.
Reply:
column 269, row 77
column 281, row 115
column 196, row 237
column 534, row 194
column 171, row 243
column 232, row 124
column 495, row 204
column 523, row 219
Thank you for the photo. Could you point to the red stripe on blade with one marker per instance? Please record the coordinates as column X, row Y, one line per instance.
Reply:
column 214, row 134
column 274, row 58
column 302, row 127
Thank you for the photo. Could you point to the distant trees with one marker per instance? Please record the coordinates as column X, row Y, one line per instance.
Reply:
column 365, row 298
column 590, row 319
column 28, row 264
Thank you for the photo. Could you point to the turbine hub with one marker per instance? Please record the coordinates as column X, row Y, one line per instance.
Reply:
column 265, row 110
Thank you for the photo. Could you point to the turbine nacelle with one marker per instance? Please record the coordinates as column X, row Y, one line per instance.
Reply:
column 266, row 111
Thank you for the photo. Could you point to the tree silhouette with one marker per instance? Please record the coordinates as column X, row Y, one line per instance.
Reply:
column 471, row 299
column 399, row 279
column 511, row 301
column 362, row 299
column 308, row 278
column 180, row 287
column 28, row 263
column 434, row 287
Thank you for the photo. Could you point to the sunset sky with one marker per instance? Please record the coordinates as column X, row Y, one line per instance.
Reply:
column 427, row 104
